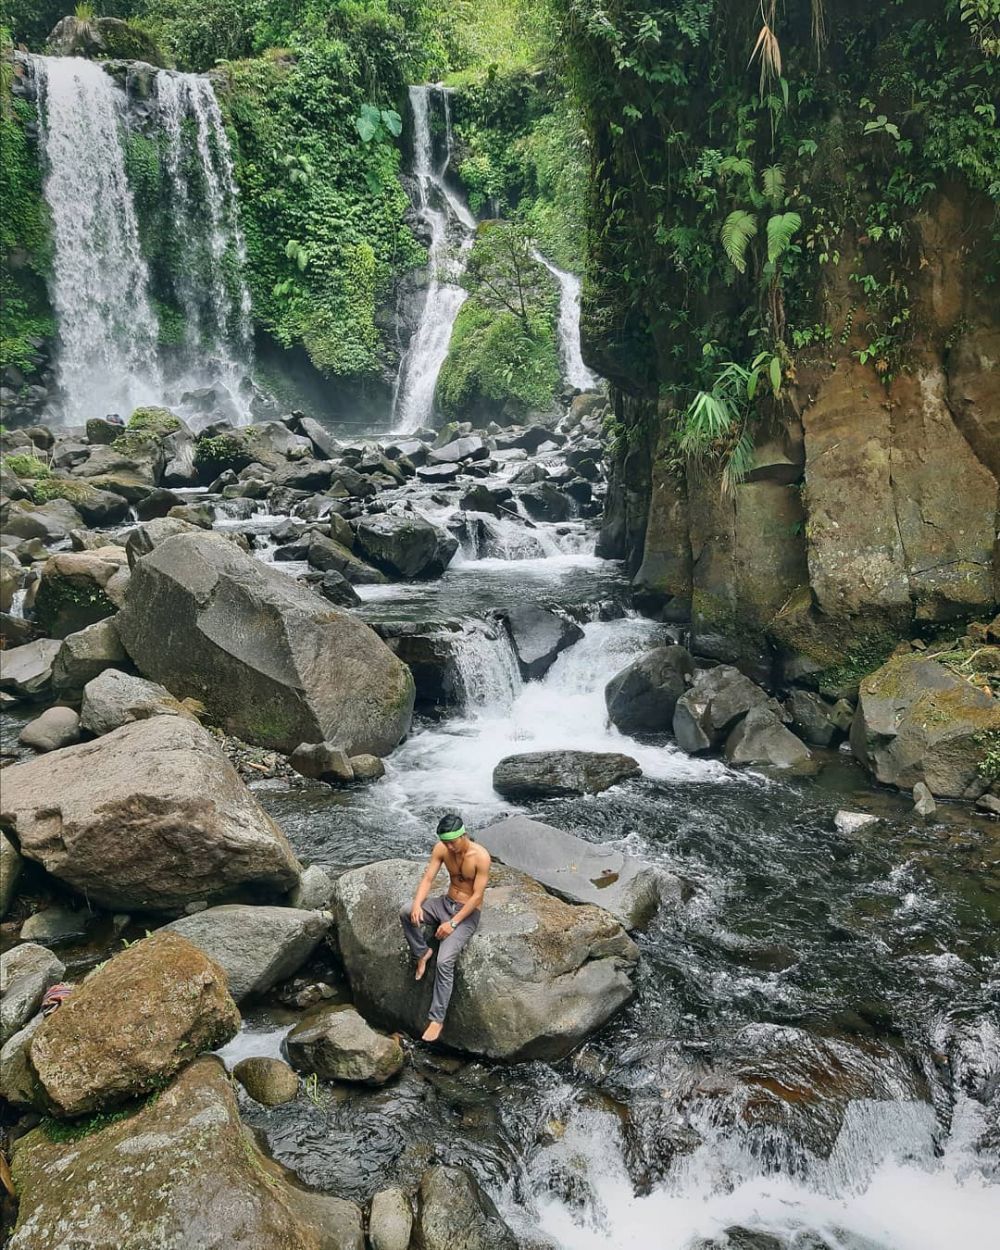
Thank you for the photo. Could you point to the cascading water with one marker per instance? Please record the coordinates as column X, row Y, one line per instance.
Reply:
column 443, row 212
column 106, row 357
column 486, row 667
column 207, row 272
column 575, row 372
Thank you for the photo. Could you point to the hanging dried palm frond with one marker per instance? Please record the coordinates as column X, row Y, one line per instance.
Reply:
column 767, row 46
column 818, row 27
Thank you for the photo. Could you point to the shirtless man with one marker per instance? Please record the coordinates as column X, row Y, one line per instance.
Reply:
column 456, row 914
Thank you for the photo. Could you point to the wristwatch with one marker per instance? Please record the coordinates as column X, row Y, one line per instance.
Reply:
column 454, row 926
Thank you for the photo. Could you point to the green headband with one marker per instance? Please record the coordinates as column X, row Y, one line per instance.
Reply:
column 452, row 834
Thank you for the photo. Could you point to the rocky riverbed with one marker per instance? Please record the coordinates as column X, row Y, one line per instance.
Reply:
column 244, row 672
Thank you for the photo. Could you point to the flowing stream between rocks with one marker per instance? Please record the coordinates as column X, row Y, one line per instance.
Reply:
column 811, row 1060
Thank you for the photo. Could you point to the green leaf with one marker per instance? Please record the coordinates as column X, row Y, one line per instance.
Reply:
column 737, row 231
column 780, row 229
column 392, row 122
column 774, row 370
column 773, row 180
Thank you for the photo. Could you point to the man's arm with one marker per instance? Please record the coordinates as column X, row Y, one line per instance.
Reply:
column 426, row 882
column 479, row 885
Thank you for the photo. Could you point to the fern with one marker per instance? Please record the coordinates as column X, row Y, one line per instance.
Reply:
column 780, row 230
column 736, row 165
column 737, row 231
column 773, row 180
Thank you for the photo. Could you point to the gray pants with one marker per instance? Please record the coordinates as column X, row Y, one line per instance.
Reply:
column 439, row 910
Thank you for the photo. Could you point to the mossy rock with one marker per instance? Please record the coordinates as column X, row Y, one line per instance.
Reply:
column 25, row 466
column 104, row 38
column 156, row 421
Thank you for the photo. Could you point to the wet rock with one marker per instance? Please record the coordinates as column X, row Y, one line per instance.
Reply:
column 538, row 976
column 304, row 475
column 338, row 1045
column 461, row 449
column 989, row 803
column 923, row 801
column 50, row 521
column 85, row 655
column 853, row 822
column 271, row 1082
column 539, row 636
column 114, row 698
column 322, row 761
column 10, row 872
column 761, row 738
column 545, row 502
column 390, row 1222
column 580, row 871
column 811, row 717
column 716, row 701
column 185, row 1169
column 164, row 1001
column 200, row 515
column 158, row 503
column 54, row 925
column 325, row 446
column 26, row 671
column 491, row 499
column 531, row 438
column 438, row 473
column 330, row 556
column 643, row 696
column 142, row 540
column 149, row 817
column 74, row 589
column 454, row 1211
column 918, row 720
column 11, row 576
column 270, row 661
column 560, row 774
column 256, row 947
column 529, row 475
column 367, row 767
column 17, row 1080
column 26, row 972
column 56, row 727
column 314, row 891
column 406, row 546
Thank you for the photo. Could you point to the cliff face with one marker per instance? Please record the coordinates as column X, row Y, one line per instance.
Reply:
column 870, row 508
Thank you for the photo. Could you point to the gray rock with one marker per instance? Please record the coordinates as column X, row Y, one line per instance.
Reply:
column 330, row 556
column 438, row 473
column 558, row 774
column 149, row 817
column 50, row 521
column 10, row 871
column 538, row 976
column 85, row 655
column 271, row 1082
column 461, row 449
column 405, row 545
column 113, row 699
column 11, row 576
column 146, row 537
column 989, row 803
column 854, row 822
column 539, row 637
column 26, row 671
column 269, row 660
column 491, row 499
column 761, row 738
column 812, row 717
column 580, row 871
column 643, row 696
column 256, row 947
column 337, row 1044
column 390, row 1222
column 54, row 925
column 716, row 701
column 454, row 1211
column 18, row 1083
column 923, row 801
column 544, row 502
column 26, row 972
column 367, row 767
column 322, row 761
column 56, row 727
column 325, row 446
column 335, row 587
column 314, row 891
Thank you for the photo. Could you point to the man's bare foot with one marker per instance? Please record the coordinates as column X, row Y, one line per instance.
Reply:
column 422, row 963
column 433, row 1031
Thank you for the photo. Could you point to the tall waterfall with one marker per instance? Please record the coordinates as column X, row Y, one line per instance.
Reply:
column 575, row 372
column 445, row 215
column 106, row 357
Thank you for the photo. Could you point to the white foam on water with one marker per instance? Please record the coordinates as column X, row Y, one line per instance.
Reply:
column 254, row 1042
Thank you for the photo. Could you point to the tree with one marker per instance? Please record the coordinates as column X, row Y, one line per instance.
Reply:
column 502, row 271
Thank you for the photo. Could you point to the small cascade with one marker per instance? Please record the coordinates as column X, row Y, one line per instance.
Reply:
column 485, row 667
column 207, row 273
column 106, row 360
column 445, row 216
column 575, row 372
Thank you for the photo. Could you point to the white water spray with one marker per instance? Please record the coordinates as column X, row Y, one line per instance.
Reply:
column 575, row 371
column 440, row 208
column 106, row 356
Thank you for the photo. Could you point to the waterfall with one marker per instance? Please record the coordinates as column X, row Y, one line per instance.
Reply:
column 575, row 371
column 199, row 169
column 485, row 667
column 107, row 330
column 440, row 208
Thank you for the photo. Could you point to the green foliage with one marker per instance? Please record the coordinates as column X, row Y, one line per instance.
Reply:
column 989, row 765
column 214, row 453
column 23, row 464
column 156, row 421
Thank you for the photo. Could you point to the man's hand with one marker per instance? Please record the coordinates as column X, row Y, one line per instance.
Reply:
column 417, row 914
column 443, row 931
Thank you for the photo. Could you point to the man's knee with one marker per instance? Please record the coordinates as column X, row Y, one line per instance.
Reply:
column 404, row 914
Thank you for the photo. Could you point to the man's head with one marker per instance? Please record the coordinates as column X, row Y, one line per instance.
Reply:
column 450, row 828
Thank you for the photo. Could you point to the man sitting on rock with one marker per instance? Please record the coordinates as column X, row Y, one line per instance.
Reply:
column 456, row 913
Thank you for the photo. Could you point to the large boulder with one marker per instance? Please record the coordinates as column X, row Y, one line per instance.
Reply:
column 454, row 1212
column 26, row 671
column 150, row 817
column 74, row 589
column 143, row 538
column 85, row 655
column 390, row 1221
column 761, row 738
column 50, row 521
column 56, row 727
column 579, row 871
column 256, row 947
column 182, row 1172
column 718, row 698
column 271, row 662
column 18, row 1084
column 339, row 1045
column 406, row 545
column 561, row 774
column 539, row 636
column 537, row 977
column 26, row 972
column 812, row 717
column 642, row 697
column 460, row 449
column 114, row 699
column 919, row 720
column 132, row 1024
